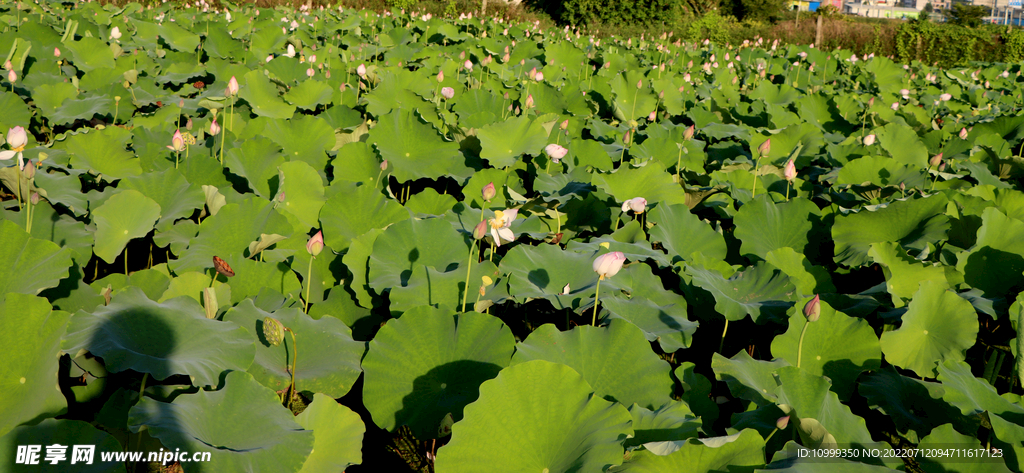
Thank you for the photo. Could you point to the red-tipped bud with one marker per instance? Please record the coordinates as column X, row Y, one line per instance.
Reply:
column 813, row 309
column 489, row 192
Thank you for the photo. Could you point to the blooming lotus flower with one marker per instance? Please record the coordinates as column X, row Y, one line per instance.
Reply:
column 228, row 16
column 609, row 264
column 232, row 89
column 115, row 33
column 555, row 151
column 636, row 204
column 447, row 92
column 813, row 309
column 500, row 225
column 488, row 192
column 17, row 138
column 869, row 140
column 905, row 93
column 963, row 133
column 214, row 127
column 790, row 171
column 361, row 70
column 765, row 148
column 945, row 97
column 566, row 290
column 177, row 142
column 290, row 51
column 315, row 244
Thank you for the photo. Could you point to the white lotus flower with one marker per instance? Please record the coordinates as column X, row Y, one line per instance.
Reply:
column 636, row 204
column 945, row 97
column 115, row 33
column 17, row 138
column 500, row 225
column 556, row 152
column 869, row 140
column 290, row 52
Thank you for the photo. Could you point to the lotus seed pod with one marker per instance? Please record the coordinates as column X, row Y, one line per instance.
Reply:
column 273, row 331
column 813, row 309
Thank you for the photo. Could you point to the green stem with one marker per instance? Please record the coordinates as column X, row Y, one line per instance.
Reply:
column 295, row 356
column 800, row 345
column 223, row 136
column 757, row 164
column 309, row 282
column 934, row 178
column 126, row 260
column 788, row 185
column 721, row 344
column 597, row 294
column 142, row 388
column 469, row 267
column 770, row 435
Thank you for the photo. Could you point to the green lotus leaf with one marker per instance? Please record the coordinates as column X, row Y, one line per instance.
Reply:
column 739, row 452
column 15, row 109
column 649, row 181
column 764, row 226
column 762, row 292
column 100, row 152
column 51, row 96
column 360, row 163
column 357, row 259
column 583, row 153
column 127, row 215
column 430, row 363
column 192, row 284
column 1010, row 438
column 478, row 107
column 70, row 434
column 616, row 361
column 945, row 436
column 430, row 203
column 836, row 346
column 880, row 171
column 697, row 393
column 903, row 145
column 903, row 274
column 229, row 233
column 523, row 417
column 673, row 421
column 90, row 53
column 415, row 150
column 243, row 426
column 328, row 358
column 398, row 89
column 543, row 271
column 303, row 138
column 309, row 94
column 748, row 378
column 915, row 406
column 438, row 288
column 354, row 210
column 807, row 278
column 338, row 435
column 169, row 189
column 630, row 102
column 59, row 188
column 83, row 109
column 162, row 339
column 911, row 223
column 973, row 395
column 408, row 245
column 667, row 324
column 256, row 160
column 262, row 95
column 503, row 142
column 31, row 337
column 30, row 265
column 939, row 326
column 304, row 192
column 996, row 262
column 252, row 276
column 810, row 398
column 681, row 233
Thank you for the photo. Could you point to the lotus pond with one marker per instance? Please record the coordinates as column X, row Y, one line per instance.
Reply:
column 323, row 239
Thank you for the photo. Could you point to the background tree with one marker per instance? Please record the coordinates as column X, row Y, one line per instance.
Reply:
column 763, row 10
column 966, row 15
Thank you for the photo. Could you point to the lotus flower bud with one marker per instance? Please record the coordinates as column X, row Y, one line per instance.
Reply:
column 532, row 74
column 895, row 106
column 942, row 167
column 489, row 192
column 529, row 101
column 688, row 133
column 310, row 72
column 468, row 65
column 564, row 125
column 813, row 309
column 765, row 148
column 12, row 76
column 315, row 244
column 447, row 93
column 214, row 128
column 905, row 93
column 945, row 97
column 651, row 116
column 440, row 76
column 782, row 423
column 188, row 124
column 636, row 204
column 384, row 165
column 539, row 77
column 361, row 70
column 56, row 52
column 35, row 198
column 273, row 331
column 639, row 84
column 790, row 170
column 480, row 231
column 30, row 170
column 963, row 133
column 869, row 140
column 936, row 160
column 555, row 151
column 17, row 137
column 232, row 89
column 608, row 264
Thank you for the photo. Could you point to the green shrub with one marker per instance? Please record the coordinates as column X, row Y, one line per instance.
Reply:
column 647, row 12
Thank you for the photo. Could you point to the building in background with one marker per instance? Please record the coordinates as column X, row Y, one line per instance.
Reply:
column 882, row 9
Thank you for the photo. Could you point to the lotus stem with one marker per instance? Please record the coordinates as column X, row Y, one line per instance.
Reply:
column 142, row 388
column 770, row 435
column 126, row 260
column 223, row 136
column 558, row 221
column 177, row 154
column 469, row 267
column 490, row 257
column 721, row 344
column 597, row 294
column 800, row 345
column 309, row 282
column 934, row 178
column 757, row 164
column 231, row 116
column 295, row 356
column 788, row 185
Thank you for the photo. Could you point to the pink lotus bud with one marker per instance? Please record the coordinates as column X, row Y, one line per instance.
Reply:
column 813, row 309
column 8, row 66
column 539, row 76
column 177, row 142
column 468, row 65
column 782, row 423
column 11, row 76
column 905, row 93
column 895, row 106
column 869, row 140
column 56, row 52
column 489, row 192
column 636, row 204
column 361, row 71
column 608, row 264
column 447, row 93
column 765, row 148
column 384, row 165
column 963, row 133
column 556, row 152
column 942, row 166
column 529, row 101
column 532, row 74
column 936, row 160
column 650, row 116
column 480, row 231
column 316, row 244
column 440, row 76
column 310, row 72
column 564, row 125
column 214, row 127
column 232, row 89
column 35, row 196
column 790, row 170
column 30, row 170
column 17, row 138
column 945, row 97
